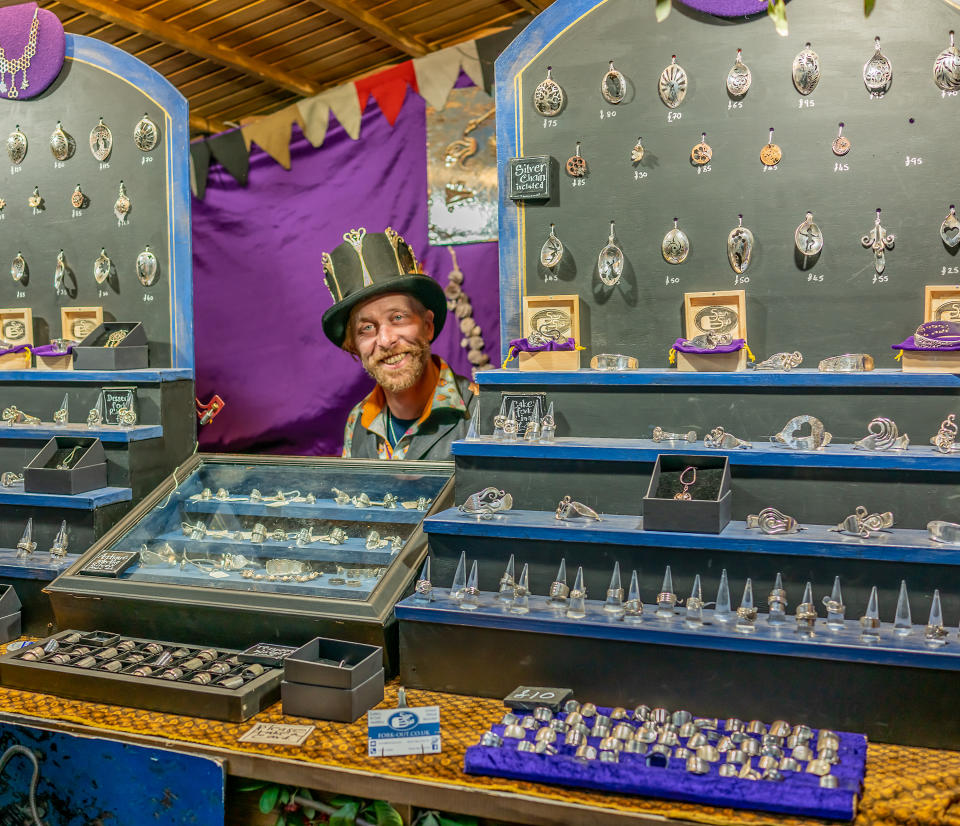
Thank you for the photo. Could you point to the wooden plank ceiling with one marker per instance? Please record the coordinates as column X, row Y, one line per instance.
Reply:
column 237, row 59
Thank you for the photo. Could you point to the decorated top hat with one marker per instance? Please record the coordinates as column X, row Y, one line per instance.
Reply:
column 367, row 265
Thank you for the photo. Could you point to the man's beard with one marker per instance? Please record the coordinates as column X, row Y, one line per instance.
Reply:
column 396, row 381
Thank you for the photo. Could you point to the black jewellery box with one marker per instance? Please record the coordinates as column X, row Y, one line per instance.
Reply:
column 708, row 508
column 9, row 614
column 126, row 350
column 332, row 680
column 85, row 466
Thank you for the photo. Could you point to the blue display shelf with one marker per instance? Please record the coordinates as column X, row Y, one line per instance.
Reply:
column 105, row 434
column 322, row 509
column 823, row 644
column 147, row 376
column 37, row 566
column 897, row 545
column 87, row 501
column 803, row 377
column 762, row 454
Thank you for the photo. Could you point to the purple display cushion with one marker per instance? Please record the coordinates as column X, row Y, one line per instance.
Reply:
column 728, row 8
column 907, row 344
column 51, row 350
column 732, row 347
column 18, row 349
column 45, row 65
column 798, row 794
column 525, row 346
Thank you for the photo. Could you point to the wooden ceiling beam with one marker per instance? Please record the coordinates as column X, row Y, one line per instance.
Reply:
column 194, row 43
column 198, row 123
column 528, row 5
column 361, row 18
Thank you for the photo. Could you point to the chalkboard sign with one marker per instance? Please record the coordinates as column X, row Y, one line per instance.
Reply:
column 110, row 563
column 116, row 399
column 524, row 404
column 530, row 178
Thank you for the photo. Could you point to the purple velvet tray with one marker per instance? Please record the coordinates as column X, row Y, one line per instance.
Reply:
column 732, row 347
column 51, row 350
column 524, row 346
column 908, row 344
column 798, row 794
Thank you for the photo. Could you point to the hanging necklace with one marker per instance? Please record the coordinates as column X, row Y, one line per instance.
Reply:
column 20, row 64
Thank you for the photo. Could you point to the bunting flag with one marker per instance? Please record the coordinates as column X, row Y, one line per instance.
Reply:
column 432, row 77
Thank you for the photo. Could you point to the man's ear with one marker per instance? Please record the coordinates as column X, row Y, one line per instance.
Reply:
column 428, row 322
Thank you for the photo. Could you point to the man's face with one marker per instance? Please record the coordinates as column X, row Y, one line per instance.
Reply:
column 392, row 337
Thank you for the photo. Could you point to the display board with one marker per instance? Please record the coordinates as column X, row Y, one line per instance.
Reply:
column 829, row 304
column 99, row 81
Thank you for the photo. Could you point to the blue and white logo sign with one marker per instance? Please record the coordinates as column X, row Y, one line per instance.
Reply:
column 394, row 731
column 402, row 720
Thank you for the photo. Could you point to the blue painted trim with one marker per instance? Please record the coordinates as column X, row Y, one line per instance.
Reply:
column 38, row 566
column 896, row 546
column 176, row 149
column 843, row 646
column 153, row 375
column 914, row 458
column 805, row 377
column 112, row 434
column 322, row 509
column 87, row 501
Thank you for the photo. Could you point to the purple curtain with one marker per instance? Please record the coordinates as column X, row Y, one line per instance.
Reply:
column 259, row 291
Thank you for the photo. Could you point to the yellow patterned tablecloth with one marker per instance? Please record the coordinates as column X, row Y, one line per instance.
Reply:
column 904, row 786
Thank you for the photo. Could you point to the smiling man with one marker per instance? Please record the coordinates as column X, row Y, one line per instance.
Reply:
column 386, row 312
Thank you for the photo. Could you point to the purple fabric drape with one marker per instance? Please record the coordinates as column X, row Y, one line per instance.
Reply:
column 259, row 291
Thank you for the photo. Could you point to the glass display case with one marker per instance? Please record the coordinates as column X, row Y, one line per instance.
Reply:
column 240, row 549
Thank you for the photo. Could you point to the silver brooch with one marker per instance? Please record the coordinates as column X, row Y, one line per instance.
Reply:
column 146, row 134
column 882, row 434
column 147, row 267
column 739, row 247
column 62, row 145
column 946, row 68
column 101, row 141
column 817, row 439
column 610, row 261
column 878, row 240
column 16, row 146
column 780, row 361
column 739, row 77
column 548, row 97
column 806, row 70
column 675, row 246
column 878, row 72
column 673, row 84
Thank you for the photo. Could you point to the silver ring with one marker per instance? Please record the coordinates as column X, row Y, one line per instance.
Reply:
column 882, row 434
column 569, row 509
column 641, row 712
column 600, row 730
column 708, row 753
column 750, row 747
column 828, row 781
column 756, row 726
column 773, row 522
column 492, row 739
column 543, row 714
column 546, row 735
column 817, row 440
column 802, row 733
column 733, row 724
column 696, row 765
column 728, row 770
column 863, row 524
column 847, row 363
column 802, row 753
column 619, row 713
column 529, row 723
column 938, row 531
column 780, row 728
column 574, row 718
column 574, row 737
column 946, row 439
column 514, row 732
column 789, row 764
column 526, row 745
column 609, row 757
column 559, row 725
column 696, row 740
column 773, row 773
column 737, row 757
column 586, row 752
column 610, row 744
column 570, row 706
column 719, row 439
column 682, row 753
column 780, row 361
column 828, row 739
column 622, row 731
column 635, row 747
column 542, row 747
column 486, row 503
column 818, row 767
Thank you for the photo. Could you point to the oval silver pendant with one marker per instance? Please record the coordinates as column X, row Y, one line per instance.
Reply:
column 610, row 261
column 146, row 134
column 739, row 78
column 61, row 144
column 740, row 248
column 673, row 84
column 878, row 73
column 552, row 250
column 806, row 70
column 147, row 267
column 18, row 268
column 121, row 207
column 613, row 87
column 946, row 68
column 101, row 141
column 101, row 267
column 950, row 229
column 808, row 237
column 548, row 97
column 16, row 146
column 675, row 246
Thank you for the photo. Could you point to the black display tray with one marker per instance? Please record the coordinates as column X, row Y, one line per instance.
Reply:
column 708, row 511
column 130, row 354
column 343, row 705
column 88, row 471
column 216, row 702
column 333, row 663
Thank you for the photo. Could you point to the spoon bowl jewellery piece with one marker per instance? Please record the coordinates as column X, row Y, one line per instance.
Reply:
column 701, row 152
column 576, row 165
column 148, row 268
column 101, row 141
column 808, row 237
column 771, row 154
column 548, row 97
column 18, row 268
column 672, row 85
column 740, row 247
column 62, row 145
column 610, row 260
column 950, row 228
column 739, row 77
column 840, row 145
column 806, row 70
column 675, row 246
column 878, row 72
column 551, row 252
column 146, row 134
column 17, row 146
column 946, row 68
column 613, row 87
column 102, row 267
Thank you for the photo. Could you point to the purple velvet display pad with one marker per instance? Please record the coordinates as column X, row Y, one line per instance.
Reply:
column 524, row 346
column 45, row 65
column 51, row 350
column 908, row 344
column 18, row 349
column 798, row 794
column 732, row 347
column 728, row 8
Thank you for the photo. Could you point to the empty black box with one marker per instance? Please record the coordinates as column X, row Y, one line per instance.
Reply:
column 9, row 614
column 129, row 354
column 344, row 705
column 360, row 662
column 708, row 509
column 87, row 471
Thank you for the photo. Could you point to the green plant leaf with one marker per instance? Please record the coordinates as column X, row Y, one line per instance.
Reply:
column 428, row 819
column 281, row 820
column 308, row 813
column 462, row 820
column 285, row 796
column 386, row 815
column 251, row 787
column 663, row 9
column 868, row 7
column 777, row 9
column 269, row 798
column 346, row 815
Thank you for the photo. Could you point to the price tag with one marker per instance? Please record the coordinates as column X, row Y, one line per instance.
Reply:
column 110, row 563
column 395, row 731
column 279, row 734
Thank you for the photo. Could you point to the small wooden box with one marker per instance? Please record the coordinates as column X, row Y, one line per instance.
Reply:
column 76, row 323
column 16, row 327
column 930, row 361
column 714, row 312
column 561, row 312
column 941, row 302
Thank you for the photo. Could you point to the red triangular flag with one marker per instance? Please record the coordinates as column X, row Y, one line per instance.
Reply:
column 389, row 89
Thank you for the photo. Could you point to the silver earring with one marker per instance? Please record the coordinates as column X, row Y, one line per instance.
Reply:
column 675, row 246
column 878, row 240
column 739, row 247
column 101, row 141
column 739, row 77
column 806, row 70
column 548, row 97
column 613, row 87
column 552, row 250
column 946, row 68
column 808, row 237
column 950, row 228
column 610, row 261
column 673, row 84
column 878, row 72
